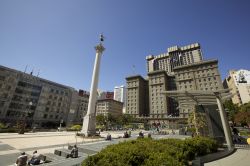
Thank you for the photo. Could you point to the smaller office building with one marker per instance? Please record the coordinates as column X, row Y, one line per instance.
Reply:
column 109, row 106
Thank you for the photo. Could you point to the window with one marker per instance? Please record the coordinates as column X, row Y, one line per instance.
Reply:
column 45, row 116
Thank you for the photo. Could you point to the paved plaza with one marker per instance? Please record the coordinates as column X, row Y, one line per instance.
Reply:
column 11, row 144
column 240, row 158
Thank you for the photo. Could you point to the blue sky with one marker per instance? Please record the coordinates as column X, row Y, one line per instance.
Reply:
column 58, row 36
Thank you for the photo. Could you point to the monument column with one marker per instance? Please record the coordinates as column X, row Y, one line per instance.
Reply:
column 88, row 127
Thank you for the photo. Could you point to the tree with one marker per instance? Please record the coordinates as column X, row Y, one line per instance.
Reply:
column 243, row 115
column 100, row 119
column 197, row 120
column 126, row 119
column 232, row 109
column 243, row 118
column 245, row 107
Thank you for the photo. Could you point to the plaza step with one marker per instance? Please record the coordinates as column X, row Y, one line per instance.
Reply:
column 52, row 157
column 65, row 152
column 62, row 152
column 242, row 146
column 83, row 150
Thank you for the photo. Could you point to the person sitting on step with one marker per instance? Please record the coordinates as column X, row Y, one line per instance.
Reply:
column 22, row 160
column 73, row 153
column 35, row 159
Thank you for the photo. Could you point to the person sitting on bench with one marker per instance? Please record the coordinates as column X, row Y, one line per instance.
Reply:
column 73, row 153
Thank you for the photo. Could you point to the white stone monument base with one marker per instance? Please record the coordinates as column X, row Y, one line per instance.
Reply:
column 88, row 129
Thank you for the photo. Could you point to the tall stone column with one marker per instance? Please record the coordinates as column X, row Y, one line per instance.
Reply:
column 88, row 127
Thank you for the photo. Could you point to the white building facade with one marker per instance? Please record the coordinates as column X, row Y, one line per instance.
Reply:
column 239, row 83
column 120, row 95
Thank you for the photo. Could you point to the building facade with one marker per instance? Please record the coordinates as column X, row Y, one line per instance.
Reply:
column 78, row 107
column 239, row 83
column 161, row 106
column 109, row 106
column 105, row 95
column 137, row 96
column 174, row 57
column 120, row 95
column 202, row 76
column 38, row 102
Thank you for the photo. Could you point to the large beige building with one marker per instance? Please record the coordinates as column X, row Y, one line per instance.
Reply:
column 137, row 96
column 160, row 106
column 109, row 106
column 181, row 68
column 239, row 83
column 198, row 76
column 175, row 56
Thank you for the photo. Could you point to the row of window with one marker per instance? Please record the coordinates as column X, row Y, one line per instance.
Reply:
column 46, row 116
column 132, row 84
column 56, row 91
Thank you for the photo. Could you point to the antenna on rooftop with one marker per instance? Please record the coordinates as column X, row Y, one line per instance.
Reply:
column 25, row 68
column 31, row 73
column 38, row 72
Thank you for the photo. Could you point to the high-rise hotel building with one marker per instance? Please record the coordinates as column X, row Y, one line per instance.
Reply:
column 137, row 96
column 175, row 56
column 202, row 76
column 180, row 68
column 162, row 77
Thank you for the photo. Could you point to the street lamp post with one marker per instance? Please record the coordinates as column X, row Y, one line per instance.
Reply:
column 61, row 121
column 23, row 124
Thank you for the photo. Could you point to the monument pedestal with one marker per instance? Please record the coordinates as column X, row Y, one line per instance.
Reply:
column 88, row 128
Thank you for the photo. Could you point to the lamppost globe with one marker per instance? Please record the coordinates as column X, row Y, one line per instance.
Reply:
column 30, row 103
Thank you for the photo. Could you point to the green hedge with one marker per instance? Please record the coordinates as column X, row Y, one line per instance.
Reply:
column 9, row 130
column 74, row 128
column 150, row 152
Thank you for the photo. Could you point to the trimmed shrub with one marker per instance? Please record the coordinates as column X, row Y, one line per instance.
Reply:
column 9, row 130
column 75, row 128
column 2, row 126
column 148, row 152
